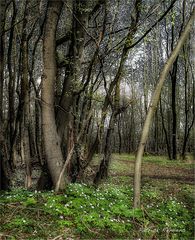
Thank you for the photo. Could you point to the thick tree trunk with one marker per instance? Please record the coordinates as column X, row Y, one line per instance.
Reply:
column 152, row 109
column 52, row 141
column 74, row 69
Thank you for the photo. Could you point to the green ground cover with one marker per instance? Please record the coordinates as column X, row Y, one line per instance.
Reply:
column 86, row 212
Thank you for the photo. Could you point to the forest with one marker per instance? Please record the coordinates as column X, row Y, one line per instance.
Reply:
column 97, row 119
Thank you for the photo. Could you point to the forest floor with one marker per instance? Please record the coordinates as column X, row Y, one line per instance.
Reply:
column 86, row 212
column 155, row 167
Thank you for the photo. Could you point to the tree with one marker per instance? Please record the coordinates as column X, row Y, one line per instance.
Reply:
column 51, row 139
column 153, row 105
column 4, row 168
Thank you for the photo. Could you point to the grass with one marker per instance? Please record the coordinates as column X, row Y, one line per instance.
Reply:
column 163, row 160
column 158, row 159
column 155, row 159
column 152, row 166
column 85, row 212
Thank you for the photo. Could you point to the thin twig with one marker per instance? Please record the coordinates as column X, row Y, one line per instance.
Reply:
column 59, row 236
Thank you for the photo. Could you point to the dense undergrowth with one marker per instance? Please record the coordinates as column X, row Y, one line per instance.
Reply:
column 104, row 213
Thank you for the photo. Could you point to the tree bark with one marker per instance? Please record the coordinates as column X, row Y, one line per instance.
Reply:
column 51, row 139
column 25, row 99
column 174, row 111
column 4, row 176
column 153, row 106
column 189, row 106
column 103, row 168
column 165, row 130
column 11, row 91
column 2, row 24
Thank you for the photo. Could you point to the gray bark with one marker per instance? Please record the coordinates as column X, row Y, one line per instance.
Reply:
column 52, row 147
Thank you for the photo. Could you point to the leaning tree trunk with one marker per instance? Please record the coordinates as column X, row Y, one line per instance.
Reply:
column 51, row 139
column 152, row 109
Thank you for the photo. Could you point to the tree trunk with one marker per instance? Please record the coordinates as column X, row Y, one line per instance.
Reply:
column 74, row 69
column 119, row 135
column 189, row 106
column 4, row 174
column 51, row 139
column 11, row 88
column 2, row 23
column 152, row 109
column 103, row 169
column 174, row 112
column 165, row 130
column 25, row 98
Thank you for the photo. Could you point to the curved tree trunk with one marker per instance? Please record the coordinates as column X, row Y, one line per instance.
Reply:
column 51, row 139
column 153, row 106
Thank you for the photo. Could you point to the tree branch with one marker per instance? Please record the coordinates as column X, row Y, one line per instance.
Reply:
column 150, row 29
